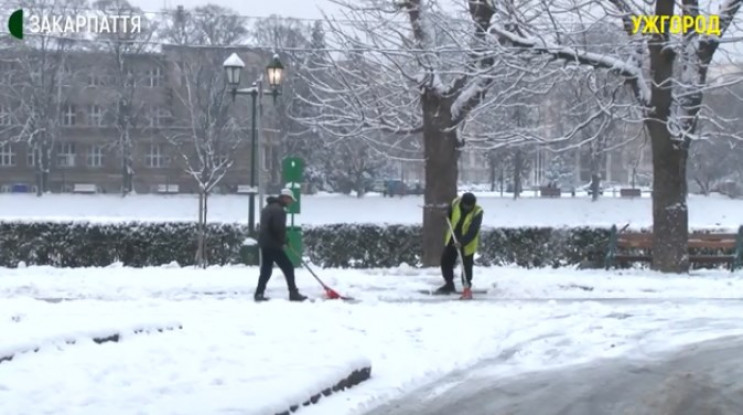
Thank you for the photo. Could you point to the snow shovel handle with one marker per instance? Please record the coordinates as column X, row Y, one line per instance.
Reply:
column 291, row 248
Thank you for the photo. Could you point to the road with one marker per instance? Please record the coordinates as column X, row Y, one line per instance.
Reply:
column 703, row 379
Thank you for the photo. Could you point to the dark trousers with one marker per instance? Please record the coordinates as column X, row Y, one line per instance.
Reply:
column 449, row 260
column 269, row 256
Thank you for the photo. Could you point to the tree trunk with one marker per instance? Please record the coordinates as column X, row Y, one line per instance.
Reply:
column 595, row 186
column 670, row 213
column 43, row 166
column 704, row 186
column 204, row 233
column 595, row 177
column 517, row 167
column 502, row 179
column 200, row 238
column 360, row 186
column 491, row 165
column 126, row 177
column 441, row 171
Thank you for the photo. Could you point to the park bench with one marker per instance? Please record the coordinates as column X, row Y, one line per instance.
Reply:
column 549, row 192
column 84, row 188
column 621, row 244
column 167, row 188
column 630, row 192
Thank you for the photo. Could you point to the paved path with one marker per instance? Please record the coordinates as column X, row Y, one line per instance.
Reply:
column 704, row 379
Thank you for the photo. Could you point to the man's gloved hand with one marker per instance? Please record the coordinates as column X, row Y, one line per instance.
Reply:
column 457, row 245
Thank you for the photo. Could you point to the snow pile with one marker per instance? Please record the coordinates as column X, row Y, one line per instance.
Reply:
column 260, row 359
column 27, row 325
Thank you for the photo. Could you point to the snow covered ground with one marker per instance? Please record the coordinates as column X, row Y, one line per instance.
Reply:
column 237, row 356
column 705, row 212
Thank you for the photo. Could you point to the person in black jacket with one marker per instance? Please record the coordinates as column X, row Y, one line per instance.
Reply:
column 272, row 240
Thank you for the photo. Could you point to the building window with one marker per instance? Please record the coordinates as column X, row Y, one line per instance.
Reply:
column 66, row 155
column 158, row 117
column 33, row 156
column 95, row 80
column 68, row 76
column 154, row 77
column 95, row 116
column 4, row 115
column 130, row 79
column 95, row 156
column 69, row 115
column 154, row 157
column 7, row 155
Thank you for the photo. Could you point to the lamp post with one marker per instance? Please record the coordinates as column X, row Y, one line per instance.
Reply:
column 233, row 66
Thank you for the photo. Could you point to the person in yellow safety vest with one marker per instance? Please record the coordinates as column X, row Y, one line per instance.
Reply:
column 466, row 218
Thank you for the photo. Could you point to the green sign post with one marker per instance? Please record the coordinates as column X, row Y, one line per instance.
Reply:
column 293, row 175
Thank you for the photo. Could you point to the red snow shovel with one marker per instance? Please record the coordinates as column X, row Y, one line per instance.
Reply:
column 329, row 292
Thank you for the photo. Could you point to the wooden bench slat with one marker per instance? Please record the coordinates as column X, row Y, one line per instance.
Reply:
column 636, row 258
column 726, row 244
column 700, row 241
column 711, row 258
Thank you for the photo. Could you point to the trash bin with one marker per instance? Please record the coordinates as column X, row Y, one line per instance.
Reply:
column 294, row 236
column 249, row 252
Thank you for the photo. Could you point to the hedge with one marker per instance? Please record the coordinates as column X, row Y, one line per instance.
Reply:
column 82, row 244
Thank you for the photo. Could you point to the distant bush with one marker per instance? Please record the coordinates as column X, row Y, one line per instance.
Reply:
column 81, row 244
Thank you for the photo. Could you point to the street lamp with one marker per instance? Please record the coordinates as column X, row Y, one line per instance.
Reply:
column 233, row 67
column 275, row 69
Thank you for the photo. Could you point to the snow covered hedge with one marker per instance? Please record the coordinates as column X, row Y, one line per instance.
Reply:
column 368, row 246
column 80, row 244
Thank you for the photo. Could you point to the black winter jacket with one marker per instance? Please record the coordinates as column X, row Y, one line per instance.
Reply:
column 272, row 233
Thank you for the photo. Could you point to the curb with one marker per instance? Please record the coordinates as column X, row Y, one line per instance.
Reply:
column 115, row 337
column 353, row 379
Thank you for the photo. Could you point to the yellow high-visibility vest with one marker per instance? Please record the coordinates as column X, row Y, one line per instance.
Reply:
column 456, row 213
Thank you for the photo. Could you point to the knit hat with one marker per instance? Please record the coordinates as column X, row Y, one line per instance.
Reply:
column 469, row 199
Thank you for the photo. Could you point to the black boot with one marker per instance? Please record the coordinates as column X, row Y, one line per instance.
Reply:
column 446, row 289
column 294, row 295
column 259, row 297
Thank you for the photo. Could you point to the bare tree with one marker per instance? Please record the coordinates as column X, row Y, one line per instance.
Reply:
column 120, row 80
column 425, row 71
column 292, row 38
column 206, row 133
column 602, row 108
column 44, row 74
column 669, row 90
column 716, row 162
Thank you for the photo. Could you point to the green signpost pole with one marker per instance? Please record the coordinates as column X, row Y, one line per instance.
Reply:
column 292, row 174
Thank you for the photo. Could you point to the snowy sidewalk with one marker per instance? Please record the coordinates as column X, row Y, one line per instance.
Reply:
column 230, row 347
column 227, row 359
column 172, row 282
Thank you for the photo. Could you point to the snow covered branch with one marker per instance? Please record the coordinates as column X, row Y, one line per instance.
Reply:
column 539, row 45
